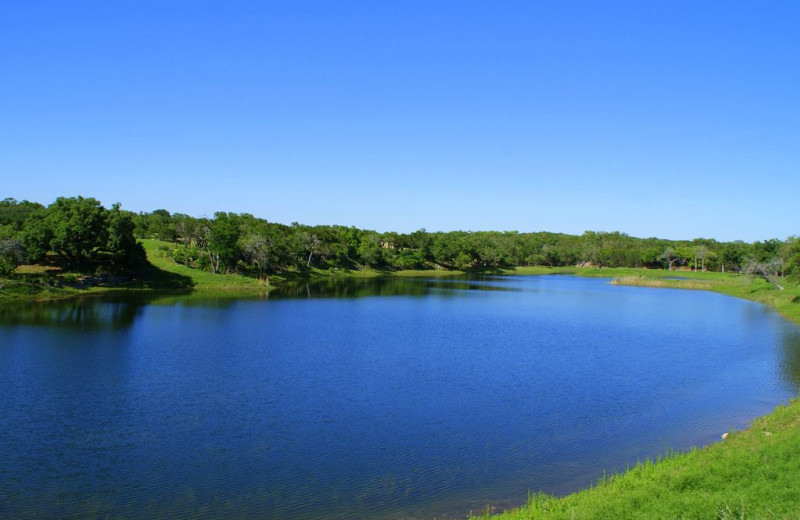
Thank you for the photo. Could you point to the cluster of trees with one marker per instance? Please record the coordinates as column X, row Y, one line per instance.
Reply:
column 79, row 233
column 83, row 235
column 246, row 244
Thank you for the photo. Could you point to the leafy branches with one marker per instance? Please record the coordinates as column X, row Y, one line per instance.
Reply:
column 83, row 235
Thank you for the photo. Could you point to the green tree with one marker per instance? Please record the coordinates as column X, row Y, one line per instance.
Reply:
column 14, row 214
column 370, row 252
column 11, row 251
column 223, row 238
column 767, row 250
column 675, row 256
column 83, row 235
column 422, row 241
column 79, row 229
column 264, row 246
column 734, row 255
column 701, row 252
column 122, row 247
column 74, row 228
column 36, row 236
column 790, row 254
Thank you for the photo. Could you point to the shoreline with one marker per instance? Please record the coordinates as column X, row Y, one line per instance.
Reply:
column 652, row 488
column 748, row 473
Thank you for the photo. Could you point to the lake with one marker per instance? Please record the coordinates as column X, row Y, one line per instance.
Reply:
column 387, row 399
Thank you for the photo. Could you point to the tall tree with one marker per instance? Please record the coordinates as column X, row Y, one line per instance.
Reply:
column 734, row 255
column 673, row 256
column 11, row 252
column 122, row 246
column 223, row 238
column 74, row 228
column 790, row 255
column 83, row 235
column 14, row 214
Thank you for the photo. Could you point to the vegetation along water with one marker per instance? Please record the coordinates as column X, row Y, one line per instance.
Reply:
column 75, row 246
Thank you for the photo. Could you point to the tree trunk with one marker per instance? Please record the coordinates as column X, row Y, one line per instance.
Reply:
column 214, row 260
column 773, row 282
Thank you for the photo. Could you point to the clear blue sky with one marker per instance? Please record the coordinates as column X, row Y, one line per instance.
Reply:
column 671, row 119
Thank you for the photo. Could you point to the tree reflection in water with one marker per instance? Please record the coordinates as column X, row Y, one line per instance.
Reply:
column 790, row 357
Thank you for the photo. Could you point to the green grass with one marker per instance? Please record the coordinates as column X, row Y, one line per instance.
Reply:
column 159, row 255
column 616, row 272
column 28, row 287
column 753, row 474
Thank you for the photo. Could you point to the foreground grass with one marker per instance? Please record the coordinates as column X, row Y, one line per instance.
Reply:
column 753, row 474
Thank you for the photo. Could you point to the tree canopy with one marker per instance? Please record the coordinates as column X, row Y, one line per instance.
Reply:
column 80, row 234
column 83, row 235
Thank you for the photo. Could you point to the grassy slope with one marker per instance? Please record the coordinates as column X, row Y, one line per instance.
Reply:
column 158, row 255
column 753, row 474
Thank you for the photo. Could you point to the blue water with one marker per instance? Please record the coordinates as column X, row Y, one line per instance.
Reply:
column 375, row 399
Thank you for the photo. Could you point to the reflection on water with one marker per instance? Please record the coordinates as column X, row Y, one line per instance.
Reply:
column 120, row 310
column 385, row 286
column 107, row 311
column 368, row 398
column 82, row 313
column 790, row 357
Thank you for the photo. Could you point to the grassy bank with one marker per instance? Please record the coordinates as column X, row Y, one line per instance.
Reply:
column 786, row 302
column 45, row 283
column 159, row 255
column 752, row 474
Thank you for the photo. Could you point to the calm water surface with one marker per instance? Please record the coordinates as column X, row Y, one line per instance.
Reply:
column 369, row 399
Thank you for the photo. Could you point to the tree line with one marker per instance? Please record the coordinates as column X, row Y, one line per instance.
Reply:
column 83, row 235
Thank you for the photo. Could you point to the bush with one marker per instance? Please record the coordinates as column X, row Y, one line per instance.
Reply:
column 11, row 255
column 186, row 255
